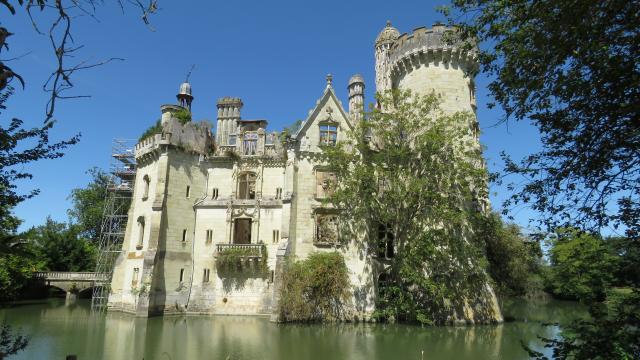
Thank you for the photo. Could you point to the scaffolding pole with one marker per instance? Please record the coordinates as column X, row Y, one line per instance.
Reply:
column 122, row 175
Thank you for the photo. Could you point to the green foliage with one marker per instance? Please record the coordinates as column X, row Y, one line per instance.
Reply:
column 290, row 130
column 237, row 259
column 419, row 171
column 87, row 204
column 515, row 262
column 10, row 343
column 315, row 289
column 18, row 261
column 154, row 129
column 581, row 267
column 569, row 67
column 62, row 248
column 183, row 115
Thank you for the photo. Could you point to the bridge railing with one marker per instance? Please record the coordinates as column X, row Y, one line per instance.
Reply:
column 70, row 276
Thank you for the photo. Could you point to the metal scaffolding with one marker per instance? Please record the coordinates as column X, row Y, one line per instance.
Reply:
column 122, row 175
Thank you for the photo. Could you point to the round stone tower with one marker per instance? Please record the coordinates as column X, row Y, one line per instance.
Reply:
column 423, row 62
column 384, row 42
column 356, row 96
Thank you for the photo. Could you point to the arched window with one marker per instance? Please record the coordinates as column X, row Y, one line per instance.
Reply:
column 140, row 233
column 146, row 181
column 247, row 186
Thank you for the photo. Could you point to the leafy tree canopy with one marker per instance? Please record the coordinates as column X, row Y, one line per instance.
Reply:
column 413, row 175
column 571, row 68
column 88, row 204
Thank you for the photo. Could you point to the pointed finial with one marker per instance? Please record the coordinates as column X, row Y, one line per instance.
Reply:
column 329, row 80
column 388, row 23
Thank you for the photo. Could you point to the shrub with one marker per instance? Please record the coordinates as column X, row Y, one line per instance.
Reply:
column 315, row 289
column 155, row 129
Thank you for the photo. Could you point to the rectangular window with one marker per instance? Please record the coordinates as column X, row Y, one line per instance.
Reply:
column 276, row 236
column 181, row 274
column 326, row 229
column 135, row 277
column 214, row 194
column 325, row 183
column 385, row 242
column 247, row 186
column 188, row 190
column 209, row 238
column 184, row 235
column 328, row 134
column 205, row 276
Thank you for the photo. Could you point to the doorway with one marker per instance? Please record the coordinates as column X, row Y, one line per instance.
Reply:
column 242, row 232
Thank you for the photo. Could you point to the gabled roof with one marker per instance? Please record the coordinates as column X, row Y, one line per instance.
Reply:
column 326, row 95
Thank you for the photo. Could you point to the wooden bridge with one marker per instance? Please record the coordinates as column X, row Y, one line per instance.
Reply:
column 71, row 282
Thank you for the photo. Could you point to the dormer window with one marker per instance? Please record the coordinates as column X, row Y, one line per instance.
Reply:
column 328, row 134
column 250, row 143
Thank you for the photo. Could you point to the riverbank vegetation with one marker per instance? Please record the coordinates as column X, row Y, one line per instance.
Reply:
column 315, row 289
column 570, row 69
column 54, row 246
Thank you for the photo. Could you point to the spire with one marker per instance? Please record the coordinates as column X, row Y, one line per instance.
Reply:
column 329, row 81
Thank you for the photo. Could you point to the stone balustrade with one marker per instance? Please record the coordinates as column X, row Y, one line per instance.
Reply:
column 70, row 276
column 252, row 249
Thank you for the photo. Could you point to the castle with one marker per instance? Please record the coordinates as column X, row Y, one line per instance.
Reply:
column 249, row 191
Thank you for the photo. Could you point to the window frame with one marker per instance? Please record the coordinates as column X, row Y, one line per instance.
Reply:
column 325, row 130
column 245, row 178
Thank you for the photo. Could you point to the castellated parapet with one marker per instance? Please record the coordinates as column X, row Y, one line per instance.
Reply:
column 424, row 61
column 194, row 137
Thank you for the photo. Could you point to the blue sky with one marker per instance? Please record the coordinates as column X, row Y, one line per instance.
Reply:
column 274, row 55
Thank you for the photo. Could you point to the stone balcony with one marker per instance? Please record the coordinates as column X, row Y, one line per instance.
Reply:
column 251, row 250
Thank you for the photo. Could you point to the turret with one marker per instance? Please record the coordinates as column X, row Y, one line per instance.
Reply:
column 184, row 96
column 384, row 42
column 228, row 117
column 356, row 97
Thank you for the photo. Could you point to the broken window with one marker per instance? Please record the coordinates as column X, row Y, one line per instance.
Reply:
column 385, row 242
column 250, row 143
column 325, row 183
column 326, row 229
column 328, row 134
column 247, row 186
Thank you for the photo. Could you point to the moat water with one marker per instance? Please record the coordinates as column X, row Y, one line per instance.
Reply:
column 56, row 329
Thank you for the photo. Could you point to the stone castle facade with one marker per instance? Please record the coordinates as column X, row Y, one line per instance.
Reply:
column 245, row 190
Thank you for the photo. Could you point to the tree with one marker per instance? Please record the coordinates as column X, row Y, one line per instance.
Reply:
column 581, row 266
column 62, row 248
column 515, row 261
column 570, row 68
column 87, row 207
column 412, row 176
column 19, row 146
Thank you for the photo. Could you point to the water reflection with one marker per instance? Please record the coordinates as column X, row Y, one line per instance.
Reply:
column 56, row 330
